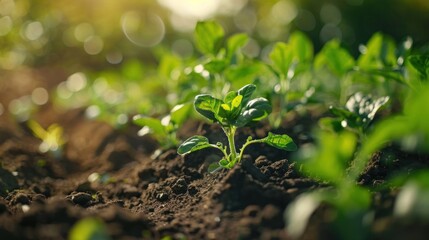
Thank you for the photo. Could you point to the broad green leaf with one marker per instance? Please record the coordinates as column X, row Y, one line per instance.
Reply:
column 246, row 92
column 193, row 144
column 180, row 113
column 281, row 57
column 245, row 73
column 154, row 124
column 230, row 96
column 302, row 46
column 215, row 66
column 337, row 59
column 168, row 64
column 235, row 42
column 208, row 106
column 208, row 37
column 256, row 110
column 282, row 141
column 213, row 167
column 379, row 51
column 89, row 229
column 331, row 158
column 420, row 63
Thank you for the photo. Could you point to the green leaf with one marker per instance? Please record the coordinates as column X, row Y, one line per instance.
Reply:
column 380, row 52
column 208, row 106
column 208, row 37
column 215, row 66
column 154, row 124
column 213, row 167
column 193, row 144
column 302, row 46
column 256, row 110
column 337, row 59
column 332, row 157
column 180, row 113
column 235, row 42
column 281, row 57
column 246, row 92
column 420, row 63
column 365, row 106
column 282, row 141
column 230, row 96
column 89, row 229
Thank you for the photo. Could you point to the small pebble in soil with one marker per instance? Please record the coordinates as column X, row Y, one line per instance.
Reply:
column 192, row 190
column 180, row 186
column 162, row 197
column 251, row 211
column 21, row 198
column 81, row 198
column 25, row 208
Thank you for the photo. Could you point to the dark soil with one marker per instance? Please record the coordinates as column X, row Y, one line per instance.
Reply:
column 142, row 196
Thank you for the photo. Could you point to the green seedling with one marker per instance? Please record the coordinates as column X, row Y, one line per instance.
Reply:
column 52, row 138
column 236, row 110
column 357, row 115
column 164, row 130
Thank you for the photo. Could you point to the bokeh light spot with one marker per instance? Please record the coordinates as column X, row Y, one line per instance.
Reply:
column 33, row 31
column 330, row 31
column 183, row 48
column 5, row 25
column 83, row 31
column 40, row 96
column 93, row 45
column 143, row 29
column 329, row 13
column 76, row 82
column 305, row 20
column 114, row 57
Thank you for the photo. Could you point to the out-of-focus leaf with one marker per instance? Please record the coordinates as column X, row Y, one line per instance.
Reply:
column 208, row 37
column 215, row 66
column 153, row 124
column 337, row 59
column 89, row 229
column 379, row 52
column 329, row 161
column 180, row 113
column 420, row 63
column 281, row 57
column 302, row 46
column 235, row 42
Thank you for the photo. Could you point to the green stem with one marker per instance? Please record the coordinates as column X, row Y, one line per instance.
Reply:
column 230, row 133
column 223, row 150
column 247, row 144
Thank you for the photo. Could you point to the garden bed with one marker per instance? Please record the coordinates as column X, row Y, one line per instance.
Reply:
column 113, row 176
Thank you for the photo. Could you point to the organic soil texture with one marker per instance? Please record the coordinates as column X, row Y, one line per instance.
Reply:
column 140, row 192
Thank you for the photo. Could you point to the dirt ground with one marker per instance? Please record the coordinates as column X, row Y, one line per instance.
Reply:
column 142, row 193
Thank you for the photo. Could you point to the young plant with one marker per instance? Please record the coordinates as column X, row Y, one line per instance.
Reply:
column 164, row 130
column 52, row 138
column 357, row 115
column 236, row 110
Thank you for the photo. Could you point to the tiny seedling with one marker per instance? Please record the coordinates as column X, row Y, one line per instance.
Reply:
column 52, row 138
column 357, row 115
column 164, row 130
column 236, row 110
